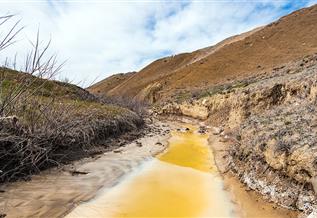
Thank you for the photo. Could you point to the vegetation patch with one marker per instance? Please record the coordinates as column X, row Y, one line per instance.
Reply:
column 39, row 131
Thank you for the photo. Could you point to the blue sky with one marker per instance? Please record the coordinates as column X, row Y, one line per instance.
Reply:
column 100, row 38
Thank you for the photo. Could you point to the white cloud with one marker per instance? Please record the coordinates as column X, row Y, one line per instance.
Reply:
column 311, row 2
column 101, row 38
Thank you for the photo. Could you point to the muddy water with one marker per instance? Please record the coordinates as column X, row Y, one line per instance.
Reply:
column 182, row 182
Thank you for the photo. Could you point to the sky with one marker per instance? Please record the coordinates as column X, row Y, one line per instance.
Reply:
column 100, row 38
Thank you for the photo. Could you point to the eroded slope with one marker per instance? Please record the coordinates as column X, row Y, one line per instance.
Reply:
column 270, row 123
column 252, row 53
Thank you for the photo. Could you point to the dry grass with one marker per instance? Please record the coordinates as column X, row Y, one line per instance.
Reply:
column 39, row 132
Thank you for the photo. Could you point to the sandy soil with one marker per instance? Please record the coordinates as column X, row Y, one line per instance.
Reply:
column 54, row 193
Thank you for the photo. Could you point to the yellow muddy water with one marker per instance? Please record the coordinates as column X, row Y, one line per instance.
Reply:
column 181, row 182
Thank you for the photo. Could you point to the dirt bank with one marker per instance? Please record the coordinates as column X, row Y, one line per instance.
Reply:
column 54, row 192
column 250, row 204
column 270, row 120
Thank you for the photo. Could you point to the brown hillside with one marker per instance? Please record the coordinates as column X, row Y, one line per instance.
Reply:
column 105, row 85
column 285, row 40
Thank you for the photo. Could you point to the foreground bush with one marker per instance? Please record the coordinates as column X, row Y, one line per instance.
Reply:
column 46, row 133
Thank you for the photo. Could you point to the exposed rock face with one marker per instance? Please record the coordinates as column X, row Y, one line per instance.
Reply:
column 274, row 121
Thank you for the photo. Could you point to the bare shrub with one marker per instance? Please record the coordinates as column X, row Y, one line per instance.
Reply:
column 38, row 70
column 52, row 133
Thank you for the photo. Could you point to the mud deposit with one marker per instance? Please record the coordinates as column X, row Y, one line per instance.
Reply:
column 181, row 182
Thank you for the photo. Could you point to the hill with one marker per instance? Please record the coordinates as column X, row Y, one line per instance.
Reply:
column 45, row 123
column 105, row 85
column 42, row 87
column 288, row 39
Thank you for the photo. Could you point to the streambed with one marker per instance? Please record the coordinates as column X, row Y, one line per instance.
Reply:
column 140, row 179
column 181, row 182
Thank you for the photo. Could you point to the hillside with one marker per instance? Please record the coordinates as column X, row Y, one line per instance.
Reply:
column 45, row 123
column 42, row 87
column 269, row 125
column 105, row 85
column 288, row 39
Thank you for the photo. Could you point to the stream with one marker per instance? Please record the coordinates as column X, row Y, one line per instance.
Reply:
column 183, row 181
column 173, row 172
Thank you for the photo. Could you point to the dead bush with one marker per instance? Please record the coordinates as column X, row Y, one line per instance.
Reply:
column 50, row 133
